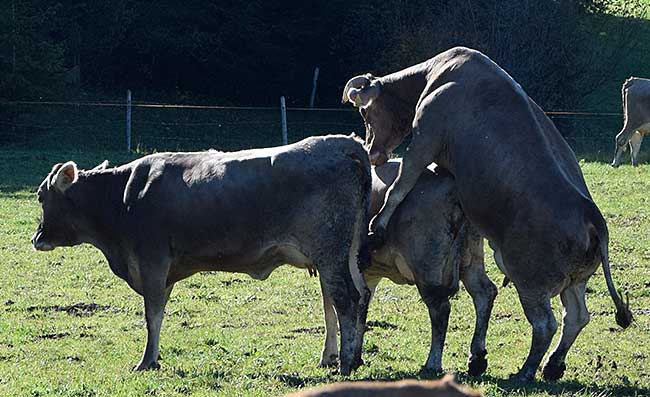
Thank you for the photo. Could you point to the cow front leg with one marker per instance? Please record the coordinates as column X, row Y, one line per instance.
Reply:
column 155, row 299
column 538, row 311
column 483, row 293
column 576, row 316
column 410, row 170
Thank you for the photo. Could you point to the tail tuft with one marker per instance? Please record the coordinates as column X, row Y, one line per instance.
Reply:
column 623, row 313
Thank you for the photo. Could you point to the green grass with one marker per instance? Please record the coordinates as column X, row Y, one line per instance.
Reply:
column 69, row 327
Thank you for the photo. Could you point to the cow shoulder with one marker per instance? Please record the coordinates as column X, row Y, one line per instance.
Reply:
column 143, row 175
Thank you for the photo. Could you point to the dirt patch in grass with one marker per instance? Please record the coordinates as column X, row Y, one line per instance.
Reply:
column 58, row 335
column 78, row 309
column 309, row 330
column 380, row 324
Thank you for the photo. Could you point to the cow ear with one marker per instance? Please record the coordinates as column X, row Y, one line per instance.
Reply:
column 101, row 166
column 66, row 176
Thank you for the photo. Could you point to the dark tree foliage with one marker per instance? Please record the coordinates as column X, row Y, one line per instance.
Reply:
column 251, row 52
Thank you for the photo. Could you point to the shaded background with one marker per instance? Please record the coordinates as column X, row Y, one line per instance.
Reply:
column 567, row 55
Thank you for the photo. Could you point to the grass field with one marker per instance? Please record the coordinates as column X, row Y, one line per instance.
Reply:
column 69, row 327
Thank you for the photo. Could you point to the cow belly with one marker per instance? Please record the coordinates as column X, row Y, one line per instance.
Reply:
column 257, row 263
column 385, row 264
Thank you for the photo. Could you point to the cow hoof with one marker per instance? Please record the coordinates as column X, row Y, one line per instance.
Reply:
column 144, row 367
column 345, row 370
column 430, row 373
column 553, row 372
column 521, row 377
column 477, row 366
column 329, row 361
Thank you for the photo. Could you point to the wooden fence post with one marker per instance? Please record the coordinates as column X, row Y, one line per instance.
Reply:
column 128, row 120
column 283, row 110
column 313, row 88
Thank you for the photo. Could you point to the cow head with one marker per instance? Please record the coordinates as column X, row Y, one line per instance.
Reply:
column 618, row 154
column 57, row 226
column 387, row 118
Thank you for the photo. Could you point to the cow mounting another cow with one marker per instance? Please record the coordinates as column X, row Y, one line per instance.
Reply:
column 518, row 182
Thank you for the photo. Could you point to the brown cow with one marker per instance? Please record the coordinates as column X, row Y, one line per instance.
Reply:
column 518, row 182
column 445, row 387
column 636, row 118
column 167, row 216
column 446, row 248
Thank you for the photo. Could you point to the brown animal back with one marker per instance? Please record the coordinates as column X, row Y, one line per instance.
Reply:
column 445, row 387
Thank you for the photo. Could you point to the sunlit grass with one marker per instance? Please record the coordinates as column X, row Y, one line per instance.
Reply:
column 69, row 327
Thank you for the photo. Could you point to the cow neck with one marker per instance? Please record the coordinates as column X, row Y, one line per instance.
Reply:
column 407, row 85
column 97, row 195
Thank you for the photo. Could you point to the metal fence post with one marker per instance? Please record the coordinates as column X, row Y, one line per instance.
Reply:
column 128, row 120
column 283, row 110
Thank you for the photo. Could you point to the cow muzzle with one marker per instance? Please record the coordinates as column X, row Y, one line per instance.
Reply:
column 617, row 156
column 378, row 158
column 39, row 243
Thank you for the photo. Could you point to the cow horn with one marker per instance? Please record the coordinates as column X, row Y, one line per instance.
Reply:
column 101, row 166
column 355, row 82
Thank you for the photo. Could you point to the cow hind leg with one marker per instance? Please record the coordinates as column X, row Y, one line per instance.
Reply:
column 538, row 311
column 483, row 293
column 329, row 356
column 635, row 146
column 436, row 297
column 155, row 299
column 576, row 317
column 338, row 285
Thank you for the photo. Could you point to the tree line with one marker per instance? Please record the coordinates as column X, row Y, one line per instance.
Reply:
column 251, row 52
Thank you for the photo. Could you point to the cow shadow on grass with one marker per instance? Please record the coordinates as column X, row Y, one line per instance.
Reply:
column 555, row 388
column 295, row 380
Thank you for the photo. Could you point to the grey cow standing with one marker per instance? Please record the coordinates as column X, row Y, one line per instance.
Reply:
column 429, row 243
column 518, row 183
column 636, row 119
column 167, row 216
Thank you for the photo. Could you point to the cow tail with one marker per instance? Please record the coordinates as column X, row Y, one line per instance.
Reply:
column 458, row 251
column 623, row 312
column 627, row 84
column 364, row 243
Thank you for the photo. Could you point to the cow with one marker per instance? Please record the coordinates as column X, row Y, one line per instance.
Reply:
column 445, row 387
column 636, row 118
column 518, row 183
column 167, row 216
column 429, row 243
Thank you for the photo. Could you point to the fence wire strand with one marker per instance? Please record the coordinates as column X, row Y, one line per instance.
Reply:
column 91, row 125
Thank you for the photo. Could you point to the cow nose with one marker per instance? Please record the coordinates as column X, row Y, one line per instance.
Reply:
column 38, row 243
column 378, row 158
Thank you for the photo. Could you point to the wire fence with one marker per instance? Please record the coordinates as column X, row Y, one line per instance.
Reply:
column 101, row 125
column 157, row 127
